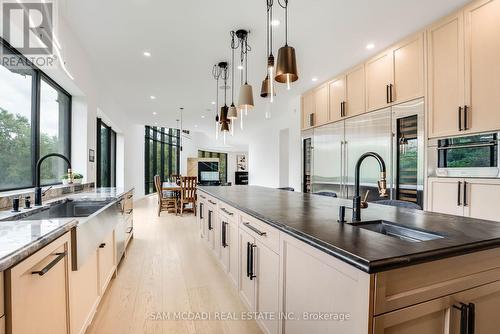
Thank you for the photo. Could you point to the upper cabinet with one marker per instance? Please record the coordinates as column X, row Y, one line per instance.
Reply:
column 308, row 110
column 337, row 98
column 321, row 105
column 482, row 66
column 378, row 80
column 396, row 75
column 445, row 46
column 464, row 71
column 355, row 91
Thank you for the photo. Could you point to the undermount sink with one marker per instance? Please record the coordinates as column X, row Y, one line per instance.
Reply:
column 398, row 231
column 68, row 209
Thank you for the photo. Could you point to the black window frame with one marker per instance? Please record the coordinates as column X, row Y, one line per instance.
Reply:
column 111, row 144
column 168, row 137
column 36, row 79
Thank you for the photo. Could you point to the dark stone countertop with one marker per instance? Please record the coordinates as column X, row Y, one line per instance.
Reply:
column 313, row 219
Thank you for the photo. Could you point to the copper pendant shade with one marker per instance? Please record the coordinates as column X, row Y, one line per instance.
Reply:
column 264, row 90
column 223, row 114
column 286, row 69
column 224, row 127
column 245, row 100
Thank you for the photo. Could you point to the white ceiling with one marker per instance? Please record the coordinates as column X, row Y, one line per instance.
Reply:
column 187, row 37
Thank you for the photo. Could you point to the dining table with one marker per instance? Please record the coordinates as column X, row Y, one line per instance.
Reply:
column 173, row 187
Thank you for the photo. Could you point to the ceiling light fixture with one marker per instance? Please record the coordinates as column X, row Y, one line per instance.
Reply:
column 147, row 54
column 286, row 69
column 154, row 113
column 232, row 113
column 314, row 79
column 370, row 46
column 245, row 100
column 202, row 116
column 152, row 97
column 213, row 102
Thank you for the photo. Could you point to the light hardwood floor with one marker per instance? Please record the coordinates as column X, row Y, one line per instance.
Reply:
column 168, row 268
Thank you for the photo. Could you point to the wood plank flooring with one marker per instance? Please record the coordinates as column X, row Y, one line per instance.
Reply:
column 168, row 268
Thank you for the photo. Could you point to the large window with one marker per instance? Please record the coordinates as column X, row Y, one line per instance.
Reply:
column 161, row 154
column 222, row 162
column 106, row 155
column 35, row 119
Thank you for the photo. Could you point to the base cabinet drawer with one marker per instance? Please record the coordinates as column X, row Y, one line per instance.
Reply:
column 106, row 255
column 37, row 291
column 474, row 309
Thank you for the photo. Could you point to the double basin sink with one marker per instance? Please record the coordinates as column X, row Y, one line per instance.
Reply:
column 67, row 209
column 398, row 231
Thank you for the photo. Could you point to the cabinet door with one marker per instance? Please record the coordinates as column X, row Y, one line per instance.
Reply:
column 201, row 218
column 481, row 199
column 482, row 68
column 267, row 265
column 378, row 77
column 321, row 103
column 445, row 45
column 246, row 285
column 224, row 244
column 216, row 234
column 408, row 59
column 445, row 196
column 234, row 260
column 355, row 91
column 106, row 254
column 210, row 223
column 38, row 299
column 337, row 97
column 307, row 110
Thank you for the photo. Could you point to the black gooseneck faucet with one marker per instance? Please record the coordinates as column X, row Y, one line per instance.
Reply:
column 382, row 184
column 38, row 188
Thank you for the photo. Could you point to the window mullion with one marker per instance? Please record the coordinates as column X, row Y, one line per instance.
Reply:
column 35, row 123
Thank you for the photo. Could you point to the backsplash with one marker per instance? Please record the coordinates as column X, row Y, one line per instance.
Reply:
column 54, row 192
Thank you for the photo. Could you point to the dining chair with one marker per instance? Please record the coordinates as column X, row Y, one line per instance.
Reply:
column 176, row 178
column 167, row 200
column 188, row 193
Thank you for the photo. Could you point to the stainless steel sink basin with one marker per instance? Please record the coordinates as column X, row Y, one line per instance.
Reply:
column 398, row 231
column 68, row 209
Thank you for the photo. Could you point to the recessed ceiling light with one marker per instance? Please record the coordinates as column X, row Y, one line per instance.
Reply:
column 213, row 102
column 154, row 113
column 202, row 116
column 370, row 46
column 275, row 23
column 147, row 53
column 152, row 97
column 240, row 67
column 196, row 125
column 156, row 123
column 314, row 79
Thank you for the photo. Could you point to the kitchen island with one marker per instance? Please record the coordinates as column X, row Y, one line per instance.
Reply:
column 286, row 254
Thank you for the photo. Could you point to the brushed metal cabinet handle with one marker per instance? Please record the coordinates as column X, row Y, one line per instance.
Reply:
column 47, row 268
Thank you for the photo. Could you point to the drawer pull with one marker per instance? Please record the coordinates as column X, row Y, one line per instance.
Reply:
column 228, row 212
column 130, row 196
column 254, row 229
column 130, row 229
column 102, row 245
column 46, row 269
column 212, row 202
column 202, row 196
column 130, row 211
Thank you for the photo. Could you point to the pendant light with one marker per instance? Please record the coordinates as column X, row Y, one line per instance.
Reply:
column 286, row 70
column 267, row 88
column 216, row 72
column 245, row 101
column 232, row 112
column 224, row 110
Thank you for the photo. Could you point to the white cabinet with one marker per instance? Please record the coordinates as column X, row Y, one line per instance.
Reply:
column 202, row 209
column 210, row 222
column 259, row 279
column 475, row 198
column 107, row 263
column 38, row 291
column 316, row 283
column 229, row 252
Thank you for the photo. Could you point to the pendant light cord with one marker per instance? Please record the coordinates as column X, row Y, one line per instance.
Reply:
column 285, row 6
column 246, row 61
column 232, row 68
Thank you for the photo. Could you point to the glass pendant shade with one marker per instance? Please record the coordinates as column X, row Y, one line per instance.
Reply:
column 245, row 100
column 232, row 112
column 286, row 69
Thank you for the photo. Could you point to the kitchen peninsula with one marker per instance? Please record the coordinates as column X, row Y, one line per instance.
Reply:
column 285, row 252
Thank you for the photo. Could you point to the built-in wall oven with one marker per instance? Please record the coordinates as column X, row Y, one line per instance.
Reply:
column 468, row 156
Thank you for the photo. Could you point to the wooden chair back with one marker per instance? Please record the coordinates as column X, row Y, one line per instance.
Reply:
column 176, row 178
column 188, row 187
column 158, row 186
